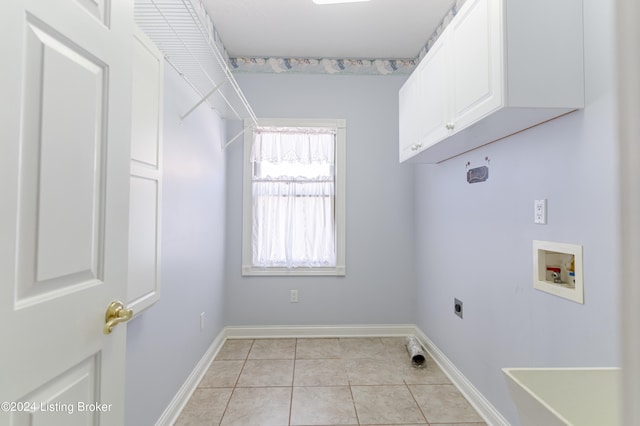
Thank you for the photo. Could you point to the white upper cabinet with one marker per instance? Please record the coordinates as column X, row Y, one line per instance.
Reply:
column 435, row 112
column 409, row 107
column 475, row 63
column 500, row 66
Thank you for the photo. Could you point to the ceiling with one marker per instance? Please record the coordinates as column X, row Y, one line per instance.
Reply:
column 379, row 29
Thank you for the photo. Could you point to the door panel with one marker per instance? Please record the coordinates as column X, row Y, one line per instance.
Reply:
column 146, row 174
column 60, row 231
column 477, row 69
column 409, row 116
column 98, row 9
column 64, row 157
column 143, row 240
column 146, row 127
column 51, row 401
column 435, row 94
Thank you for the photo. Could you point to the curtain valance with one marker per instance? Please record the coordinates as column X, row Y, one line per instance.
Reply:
column 293, row 145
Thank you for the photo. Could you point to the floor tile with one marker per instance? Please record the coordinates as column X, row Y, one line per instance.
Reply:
column 205, row 407
column 320, row 372
column 266, row 372
column 444, row 404
column 431, row 374
column 400, row 358
column 235, row 349
column 222, row 374
column 362, row 347
column 317, row 348
column 273, row 349
column 373, row 372
column 378, row 405
column 323, row 406
column 258, row 406
column 395, row 345
column 460, row 424
column 324, row 381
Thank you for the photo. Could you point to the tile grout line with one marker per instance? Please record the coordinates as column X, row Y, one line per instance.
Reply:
column 293, row 379
column 346, row 372
column 416, row 401
column 235, row 385
column 353, row 401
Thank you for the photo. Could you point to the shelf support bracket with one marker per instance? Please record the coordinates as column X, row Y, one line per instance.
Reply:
column 236, row 137
column 203, row 100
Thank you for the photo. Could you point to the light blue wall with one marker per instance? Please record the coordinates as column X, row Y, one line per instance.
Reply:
column 165, row 342
column 474, row 242
column 379, row 287
column 417, row 236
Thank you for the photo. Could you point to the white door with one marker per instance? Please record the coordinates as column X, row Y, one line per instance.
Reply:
column 64, row 164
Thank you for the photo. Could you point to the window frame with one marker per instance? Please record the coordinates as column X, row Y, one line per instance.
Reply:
column 339, row 187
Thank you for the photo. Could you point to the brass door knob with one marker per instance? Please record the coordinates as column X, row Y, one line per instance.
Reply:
column 116, row 313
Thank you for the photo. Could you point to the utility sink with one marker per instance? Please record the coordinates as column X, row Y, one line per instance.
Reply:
column 566, row 396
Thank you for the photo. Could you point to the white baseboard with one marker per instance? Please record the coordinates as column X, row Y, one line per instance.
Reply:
column 171, row 413
column 252, row 332
column 486, row 410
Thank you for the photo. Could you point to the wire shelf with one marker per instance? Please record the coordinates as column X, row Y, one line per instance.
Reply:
column 183, row 31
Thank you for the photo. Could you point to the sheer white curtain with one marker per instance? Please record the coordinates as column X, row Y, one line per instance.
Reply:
column 293, row 197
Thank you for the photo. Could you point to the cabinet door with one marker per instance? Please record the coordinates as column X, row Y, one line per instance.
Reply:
column 409, row 120
column 146, row 174
column 435, row 93
column 476, row 61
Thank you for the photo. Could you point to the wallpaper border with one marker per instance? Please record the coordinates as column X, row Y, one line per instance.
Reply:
column 327, row 65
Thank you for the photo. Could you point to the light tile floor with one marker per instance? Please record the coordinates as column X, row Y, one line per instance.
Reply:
column 304, row 382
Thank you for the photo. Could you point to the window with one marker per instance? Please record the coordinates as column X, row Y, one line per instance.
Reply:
column 293, row 213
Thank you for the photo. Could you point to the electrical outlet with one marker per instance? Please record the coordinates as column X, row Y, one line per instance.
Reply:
column 540, row 212
column 457, row 307
column 294, row 296
column 201, row 321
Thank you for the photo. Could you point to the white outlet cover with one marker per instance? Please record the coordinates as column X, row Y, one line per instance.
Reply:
column 540, row 212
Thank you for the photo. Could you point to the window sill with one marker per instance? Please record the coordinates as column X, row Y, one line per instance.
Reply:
column 282, row 272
